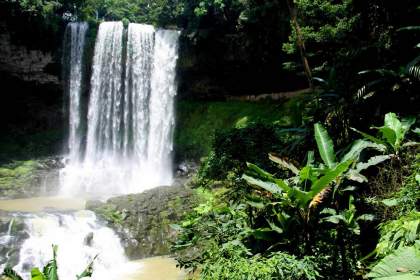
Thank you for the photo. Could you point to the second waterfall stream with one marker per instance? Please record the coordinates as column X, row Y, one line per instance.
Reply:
column 120, row 141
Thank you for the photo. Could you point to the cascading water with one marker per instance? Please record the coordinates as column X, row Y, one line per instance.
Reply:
column 131, row 116
column 162, row 119
column 74, row 42
column 79, row 238
column 130, row 123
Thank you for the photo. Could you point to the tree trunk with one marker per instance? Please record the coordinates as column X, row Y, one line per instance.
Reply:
column 299, row 41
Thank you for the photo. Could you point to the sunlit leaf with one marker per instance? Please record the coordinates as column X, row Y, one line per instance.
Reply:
column 325, row 145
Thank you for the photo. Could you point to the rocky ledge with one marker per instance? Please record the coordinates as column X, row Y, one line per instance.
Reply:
column 143, row 220
column 29, row 178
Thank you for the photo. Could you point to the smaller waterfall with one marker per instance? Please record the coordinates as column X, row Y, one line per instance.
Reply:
column 79, row 238
column 74, row 43
column 162, row 116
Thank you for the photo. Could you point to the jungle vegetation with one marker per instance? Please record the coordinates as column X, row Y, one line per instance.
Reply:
column 333, row 193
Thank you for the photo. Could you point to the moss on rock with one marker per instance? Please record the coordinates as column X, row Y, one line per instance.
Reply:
column 144, row 220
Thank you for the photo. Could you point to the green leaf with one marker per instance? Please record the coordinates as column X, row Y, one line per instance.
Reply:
column 36, row 274
column 310, row 158
column 88, row 270
column 390, row 135
column 390, row 202
column 283, row 163
column 371, row 162
column 369, row 137
column 50, row 270
column 358, row 146
column 268, row 186
column 263, row 233
column 258, row 205
column 402, row 259
column 11, row 274
column 325, row 145
column 329, row 211
column 329, row 177
column 176, row 227
column 409, row 28
column 353, row 175
column 275, row 228
column 264, row 174
column 366, row 217
column 334, row 219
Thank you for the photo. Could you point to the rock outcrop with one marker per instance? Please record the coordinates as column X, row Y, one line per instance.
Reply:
column 27, row 65
column 29, row 178
column 143, row 220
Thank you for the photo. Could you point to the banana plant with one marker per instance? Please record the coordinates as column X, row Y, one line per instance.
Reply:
column 346, row 218
column 392, row 134
column 311, row 185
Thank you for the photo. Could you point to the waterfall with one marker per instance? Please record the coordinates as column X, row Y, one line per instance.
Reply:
column 130, row 118
column 130, row 122
column 79, row 239
column 162, row 119
column 74, row 42
column 105, row 106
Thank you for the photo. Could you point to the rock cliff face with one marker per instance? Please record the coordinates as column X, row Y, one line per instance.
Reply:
column 143, row 220
column 32, row 99
column 27, row 65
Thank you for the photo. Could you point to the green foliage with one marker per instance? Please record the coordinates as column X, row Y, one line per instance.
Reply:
column 398, row 233
column 234, row 147
column 401, row 264
column 10, row 274
column 347, row 218
column 17, row 175
column 325, row 27
column 232, row 263
column 198, row 121
column 390, row 82
column 325, row 145
column 392, row 133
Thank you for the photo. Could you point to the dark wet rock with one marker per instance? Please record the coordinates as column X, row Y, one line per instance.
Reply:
column 12, row 235
column 143, row 220
column 88, row 239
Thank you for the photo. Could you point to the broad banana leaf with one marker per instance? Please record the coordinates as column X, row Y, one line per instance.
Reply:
column 358, row 147
column 283, row 163
column 268, row 186
column 329, row 177
column 325, row 145
column 403, row 263
column 37, row 275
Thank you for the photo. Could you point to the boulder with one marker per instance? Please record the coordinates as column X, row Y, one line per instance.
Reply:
column 143, row 220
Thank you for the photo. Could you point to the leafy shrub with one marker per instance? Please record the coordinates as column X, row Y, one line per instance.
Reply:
column 398, row 233
column 233, row 148
column 237, row 266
